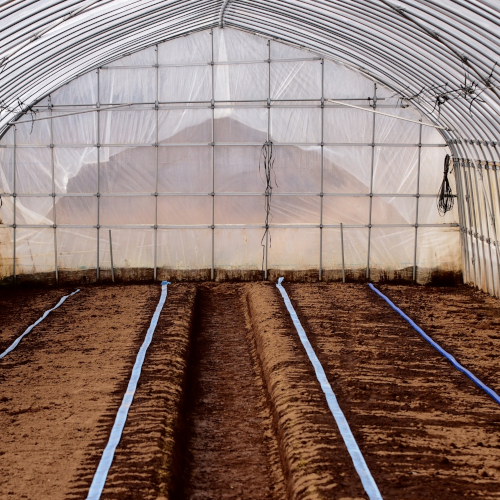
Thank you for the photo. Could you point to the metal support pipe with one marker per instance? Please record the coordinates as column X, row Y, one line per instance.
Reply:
column 469, row 212
column 155, row 251
column 479, row 215
column 371, row 183
column 53, row 191
column 342, row 250
column 98, row 173
column 462, row 217
column 14, row 220
column 487, row 226
column 417, row 204
column 476, row 237
column 111, row 257
column 493, row 221
column 322, row 169
column 212, row 270
column 266, row 250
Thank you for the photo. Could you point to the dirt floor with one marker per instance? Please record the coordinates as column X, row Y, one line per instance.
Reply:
column 228, row 405
column 425, row 429
column 230, row 450
column 28, row 304
column 61, row 387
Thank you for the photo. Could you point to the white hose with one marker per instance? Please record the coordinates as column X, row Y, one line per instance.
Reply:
column 45, row 314
column 108, row 454
column 357, row 458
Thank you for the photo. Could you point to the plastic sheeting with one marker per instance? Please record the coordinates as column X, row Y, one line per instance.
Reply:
column 378, row 175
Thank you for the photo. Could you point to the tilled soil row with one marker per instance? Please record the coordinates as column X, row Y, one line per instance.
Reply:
column 228, row 405
column 462, row 320
column 25, row 304
column 425, row 429
column 314, row 457
column 147, row 461
column 61, row 388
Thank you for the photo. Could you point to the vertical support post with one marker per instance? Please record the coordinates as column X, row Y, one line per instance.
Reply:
column 462, row 216
column 487, row 226
column 471, row 224
column 417, row 204
column 322, row 168
column 111, row 257
column 493, row 222
column 476, row 234
column 212, row 270
column 480, row 226
column 155, row 251
column 98, row 105
column 342, row 249
column 371, row 183
column 494, row 168
column 268, row 139
column 14, row 221
column 53, row 191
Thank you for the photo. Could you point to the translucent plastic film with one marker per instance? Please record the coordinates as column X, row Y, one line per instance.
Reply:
column 176, row 171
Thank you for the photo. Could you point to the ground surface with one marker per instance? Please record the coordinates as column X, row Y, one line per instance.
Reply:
column 226, row 451
column 425, row 429
column 228, row 405
column 59, row 384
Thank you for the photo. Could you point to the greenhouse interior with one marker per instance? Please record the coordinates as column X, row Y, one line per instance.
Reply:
column 248, row 147
column 249, row 249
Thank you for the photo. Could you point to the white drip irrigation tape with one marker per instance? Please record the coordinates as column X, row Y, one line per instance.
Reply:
column 357, row 458
column 45, row 314
column 108, row 454
column 438, row 348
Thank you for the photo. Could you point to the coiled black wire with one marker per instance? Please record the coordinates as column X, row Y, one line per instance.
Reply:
column 445, row 199
column 267, row 161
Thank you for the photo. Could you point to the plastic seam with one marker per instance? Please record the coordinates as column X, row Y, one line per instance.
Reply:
column 438, row 348
column 352, row 447
column 108, row 454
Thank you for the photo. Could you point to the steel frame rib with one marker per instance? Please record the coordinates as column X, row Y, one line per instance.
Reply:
column 404, row 49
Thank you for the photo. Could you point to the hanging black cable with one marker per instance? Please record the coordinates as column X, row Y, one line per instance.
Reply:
column 267, row 159
column 445, row 199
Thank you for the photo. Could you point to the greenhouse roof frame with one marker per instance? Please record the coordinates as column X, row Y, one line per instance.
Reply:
column 426, row 51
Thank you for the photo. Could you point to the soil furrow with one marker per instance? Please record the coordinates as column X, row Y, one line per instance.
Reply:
column 146, row 462
column 462, row 320
column 229, row 449
column 315, row 459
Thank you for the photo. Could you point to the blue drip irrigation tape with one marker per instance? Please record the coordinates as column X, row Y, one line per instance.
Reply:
column 108, row 454
column 356, row 455
column 438, row 348
column 45, row 314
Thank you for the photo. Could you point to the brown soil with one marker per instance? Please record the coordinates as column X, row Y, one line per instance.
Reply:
column 228, row 405
column 315, row 459
column 462, row 320
column 21, row 307
column 145, row 460
column 230, row 450
column 425, row 429
column 61, row 387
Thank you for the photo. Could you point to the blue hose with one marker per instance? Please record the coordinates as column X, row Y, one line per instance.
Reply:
column 438, row 348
